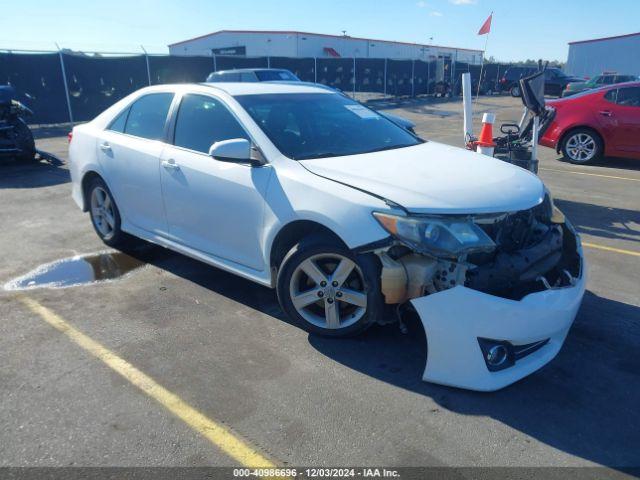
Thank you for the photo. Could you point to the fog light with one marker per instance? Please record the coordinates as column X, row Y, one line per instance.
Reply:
column 497, row 355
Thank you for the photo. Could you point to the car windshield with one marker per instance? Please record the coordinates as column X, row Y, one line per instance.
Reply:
column 319, row 125
column 276, row 75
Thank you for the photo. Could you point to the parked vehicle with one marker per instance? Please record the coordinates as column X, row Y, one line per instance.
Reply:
column 253, row 75
column 596, row 123
column 555, row 80
column 345, row 214
column 596, row 82
column 16, row 139
column 285, row 76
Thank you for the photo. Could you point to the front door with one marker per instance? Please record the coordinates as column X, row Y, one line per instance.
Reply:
column 212, row 206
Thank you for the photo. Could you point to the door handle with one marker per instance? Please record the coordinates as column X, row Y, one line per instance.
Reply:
column 606, row 113
column 170, row 164
column 105, row 147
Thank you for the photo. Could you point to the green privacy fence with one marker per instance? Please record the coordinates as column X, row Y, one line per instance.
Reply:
column 69, row 87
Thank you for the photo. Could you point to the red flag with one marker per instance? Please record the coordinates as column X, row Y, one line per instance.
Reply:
column 486, row 26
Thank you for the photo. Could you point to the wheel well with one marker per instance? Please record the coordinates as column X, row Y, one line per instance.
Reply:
column 292, row 233
column 86, row 180
column 573, row 129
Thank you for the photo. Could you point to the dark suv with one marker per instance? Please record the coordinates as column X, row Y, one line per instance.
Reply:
column 555, row 80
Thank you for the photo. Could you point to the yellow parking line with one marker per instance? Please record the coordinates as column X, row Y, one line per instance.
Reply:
column 590, row 174
column 217, row 434
column 610, row 249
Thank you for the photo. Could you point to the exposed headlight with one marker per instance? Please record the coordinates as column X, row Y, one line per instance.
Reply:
column 440, row 236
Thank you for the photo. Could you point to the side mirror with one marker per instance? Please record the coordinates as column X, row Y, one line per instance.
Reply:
column 237, row 150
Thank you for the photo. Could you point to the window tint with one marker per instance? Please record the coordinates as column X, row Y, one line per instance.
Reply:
column 276, row 75
column 611, row 95
column 319, row 125
column 629, row 97
column 117, row 125
column 148, row 115
column 202, row 121
column 248, row 77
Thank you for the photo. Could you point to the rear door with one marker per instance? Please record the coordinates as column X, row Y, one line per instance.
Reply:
column 129, row 153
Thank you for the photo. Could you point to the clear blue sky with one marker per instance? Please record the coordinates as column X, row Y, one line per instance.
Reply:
column 521, row 29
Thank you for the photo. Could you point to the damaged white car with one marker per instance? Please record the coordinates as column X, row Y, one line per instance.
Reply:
column 345, row 213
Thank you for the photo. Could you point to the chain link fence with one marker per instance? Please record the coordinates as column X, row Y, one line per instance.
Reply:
column 65, row 87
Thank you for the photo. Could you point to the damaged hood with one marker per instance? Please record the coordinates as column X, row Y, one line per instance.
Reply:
column 436, row 178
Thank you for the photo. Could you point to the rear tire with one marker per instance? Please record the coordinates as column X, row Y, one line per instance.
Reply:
column 328, row 290
column 515, row 91
column 105, row 216
column 582, row 146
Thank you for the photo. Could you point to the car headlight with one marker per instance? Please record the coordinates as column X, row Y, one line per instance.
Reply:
column 440, row 236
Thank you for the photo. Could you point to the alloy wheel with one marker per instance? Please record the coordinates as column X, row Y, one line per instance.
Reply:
column 102, row 213
column 328, row 291
column 581, row 147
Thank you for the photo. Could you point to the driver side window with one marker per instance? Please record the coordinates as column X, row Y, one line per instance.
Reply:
column 202, row 121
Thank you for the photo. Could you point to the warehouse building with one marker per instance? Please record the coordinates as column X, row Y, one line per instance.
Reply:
column 619, row 54
column 251, row 43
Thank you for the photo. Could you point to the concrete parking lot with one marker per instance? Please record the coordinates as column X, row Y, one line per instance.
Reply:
column 221, row 346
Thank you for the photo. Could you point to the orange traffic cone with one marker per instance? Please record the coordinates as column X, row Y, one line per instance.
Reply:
column 485, row 144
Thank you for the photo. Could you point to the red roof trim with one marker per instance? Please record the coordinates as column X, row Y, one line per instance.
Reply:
column 293, row 32
column 605, row 38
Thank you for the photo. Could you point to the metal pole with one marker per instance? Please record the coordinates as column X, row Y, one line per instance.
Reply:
column 268, row 62
column 385, row 77
column 146, row 57
column 413, row 78
column 66, row 85
column 315, row 69
column 353, row 78
column 428, row 75
column 467, row 103
column 215, row 63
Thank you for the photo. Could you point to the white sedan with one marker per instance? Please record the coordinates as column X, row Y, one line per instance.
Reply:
column 345, row 214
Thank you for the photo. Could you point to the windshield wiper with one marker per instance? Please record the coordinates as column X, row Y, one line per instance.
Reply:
column 322, row 155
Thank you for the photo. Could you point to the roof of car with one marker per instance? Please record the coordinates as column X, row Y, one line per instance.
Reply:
column 240, row 70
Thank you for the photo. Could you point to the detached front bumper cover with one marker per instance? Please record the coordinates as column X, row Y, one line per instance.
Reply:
column 454, row 320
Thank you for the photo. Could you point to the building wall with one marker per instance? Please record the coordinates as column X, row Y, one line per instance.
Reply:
column 621, row 55
column 259, row 44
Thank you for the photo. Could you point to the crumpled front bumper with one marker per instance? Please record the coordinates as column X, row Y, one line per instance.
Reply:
column 455, row 319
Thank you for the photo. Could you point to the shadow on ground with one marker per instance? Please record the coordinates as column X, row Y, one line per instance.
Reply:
column 612, row 162
column 584, row 403
column 36, row 174
column 599, row 221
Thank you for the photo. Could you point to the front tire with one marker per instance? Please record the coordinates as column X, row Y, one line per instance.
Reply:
column 582, row 146
column 329, row 291
column 515, row 91
column 104, row 213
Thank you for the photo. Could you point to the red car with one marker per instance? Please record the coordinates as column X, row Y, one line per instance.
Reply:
column 596, row 123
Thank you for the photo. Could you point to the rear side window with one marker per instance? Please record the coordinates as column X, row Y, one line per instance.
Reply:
column 202, row 121
column 148, row 115
column 117, row 125
column 629, row 97
column 611, row 95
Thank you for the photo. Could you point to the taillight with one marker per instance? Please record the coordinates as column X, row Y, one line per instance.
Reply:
column 70, row 136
